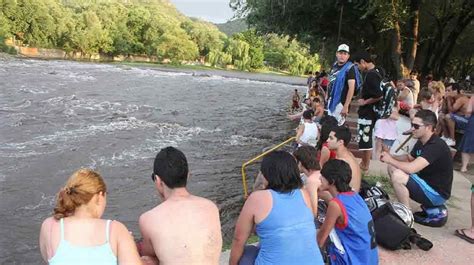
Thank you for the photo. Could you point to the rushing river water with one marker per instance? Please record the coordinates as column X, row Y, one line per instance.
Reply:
column 58, row 116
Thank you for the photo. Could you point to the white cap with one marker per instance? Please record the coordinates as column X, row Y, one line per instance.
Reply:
column 343, row 48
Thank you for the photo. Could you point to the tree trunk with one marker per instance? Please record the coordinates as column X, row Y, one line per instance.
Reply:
column 415, row 8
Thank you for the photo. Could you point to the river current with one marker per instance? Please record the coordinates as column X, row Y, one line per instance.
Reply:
column 58, row 116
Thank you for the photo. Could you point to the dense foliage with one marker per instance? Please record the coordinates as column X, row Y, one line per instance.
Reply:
column 152, row 28
column 433, row 36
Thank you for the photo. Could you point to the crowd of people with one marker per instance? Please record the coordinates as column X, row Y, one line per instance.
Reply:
column 282, row 210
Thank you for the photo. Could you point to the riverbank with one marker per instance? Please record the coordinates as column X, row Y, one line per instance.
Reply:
column 198, row 70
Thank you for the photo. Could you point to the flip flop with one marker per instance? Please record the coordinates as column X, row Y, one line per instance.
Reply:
column 460, row 233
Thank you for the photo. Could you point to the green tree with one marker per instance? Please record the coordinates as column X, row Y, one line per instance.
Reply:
column 256, row 44
column 205, row 35
column 404, row 34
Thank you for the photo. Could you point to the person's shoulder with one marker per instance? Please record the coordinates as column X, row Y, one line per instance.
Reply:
column 258, row 196
column 118, row 226
column 205, row 202
column 48, row 222
column 439, row 142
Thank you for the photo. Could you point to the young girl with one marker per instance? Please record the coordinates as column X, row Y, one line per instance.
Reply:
column 348, row 213
column 307, row 132
column 386, row 131
column 427, row 101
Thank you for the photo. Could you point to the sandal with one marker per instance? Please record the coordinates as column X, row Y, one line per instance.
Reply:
column 460, row 233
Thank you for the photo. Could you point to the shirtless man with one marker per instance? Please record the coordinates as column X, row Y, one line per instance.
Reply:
column 295, row 105
column 457, row 117
column 183, row 229
column 338, row 140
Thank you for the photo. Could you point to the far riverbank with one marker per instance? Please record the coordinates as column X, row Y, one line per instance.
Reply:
column 198, row 70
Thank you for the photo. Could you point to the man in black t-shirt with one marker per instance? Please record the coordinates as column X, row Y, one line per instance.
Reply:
column 370, row 94
column 341, row 99
column 426, row 175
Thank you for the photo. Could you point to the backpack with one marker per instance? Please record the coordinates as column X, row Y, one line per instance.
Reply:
column 391, row 230
column 383, row 108
column 392, row 233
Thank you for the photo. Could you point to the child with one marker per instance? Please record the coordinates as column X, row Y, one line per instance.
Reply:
column 348, row 213
column 386, row 132
column 307, row 132
column 405, row 96
column 427, row 101
column 318, row 109
column 295, row 101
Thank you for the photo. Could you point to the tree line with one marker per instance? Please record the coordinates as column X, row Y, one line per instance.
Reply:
column 432, row 36
column 151, row 28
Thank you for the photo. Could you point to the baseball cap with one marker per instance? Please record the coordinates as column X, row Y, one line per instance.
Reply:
column 343, row 48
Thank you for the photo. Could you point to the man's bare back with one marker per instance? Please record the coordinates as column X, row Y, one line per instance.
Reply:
column 184, row 230
column 349, row 158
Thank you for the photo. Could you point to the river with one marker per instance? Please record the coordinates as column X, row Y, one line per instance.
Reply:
column 58, row 116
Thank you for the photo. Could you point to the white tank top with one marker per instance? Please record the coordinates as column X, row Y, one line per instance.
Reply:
column 310, row 134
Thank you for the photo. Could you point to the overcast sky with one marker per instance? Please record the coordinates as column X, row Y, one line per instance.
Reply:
column 217, row 11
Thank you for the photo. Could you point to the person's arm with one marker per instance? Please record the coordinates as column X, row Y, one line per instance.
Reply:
column 408, row 167
column 296, row 116
column 325, row 153
column 457, row 105
column 368, row 101
column 333, row 213
column 395, row 115
column 372, row 83
column 146, row 245
column 45, row 235
column 126, row 249
column 312, row 185
column 470, row 107
column 350, row 94
column 299, row 132
column 243, row 229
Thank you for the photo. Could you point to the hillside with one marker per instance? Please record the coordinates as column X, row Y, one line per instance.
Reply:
column 233, row 26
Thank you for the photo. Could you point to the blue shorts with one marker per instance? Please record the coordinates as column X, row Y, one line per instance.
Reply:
column 388, row 142
column 459, row 120
column 423, row 193
column 250, row 255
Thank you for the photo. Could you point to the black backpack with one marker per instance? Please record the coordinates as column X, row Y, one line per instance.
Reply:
column 383, row 108
column 392, row 233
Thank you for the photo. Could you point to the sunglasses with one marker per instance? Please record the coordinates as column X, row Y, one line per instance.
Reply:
column 416, row 126
column 153, row 177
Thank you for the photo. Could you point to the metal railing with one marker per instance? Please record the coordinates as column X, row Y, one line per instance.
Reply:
column 244, row 176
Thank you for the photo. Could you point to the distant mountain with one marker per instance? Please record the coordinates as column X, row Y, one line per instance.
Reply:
column 234, row 26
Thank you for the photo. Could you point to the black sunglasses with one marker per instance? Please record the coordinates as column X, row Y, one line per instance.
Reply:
column 153, row 177
column 416, row 126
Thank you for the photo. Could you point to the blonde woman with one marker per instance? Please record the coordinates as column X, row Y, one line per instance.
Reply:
column 76, row 234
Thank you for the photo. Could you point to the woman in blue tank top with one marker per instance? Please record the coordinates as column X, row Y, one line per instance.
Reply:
column 348, row 213
column 77, row 235
column 282, row 217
